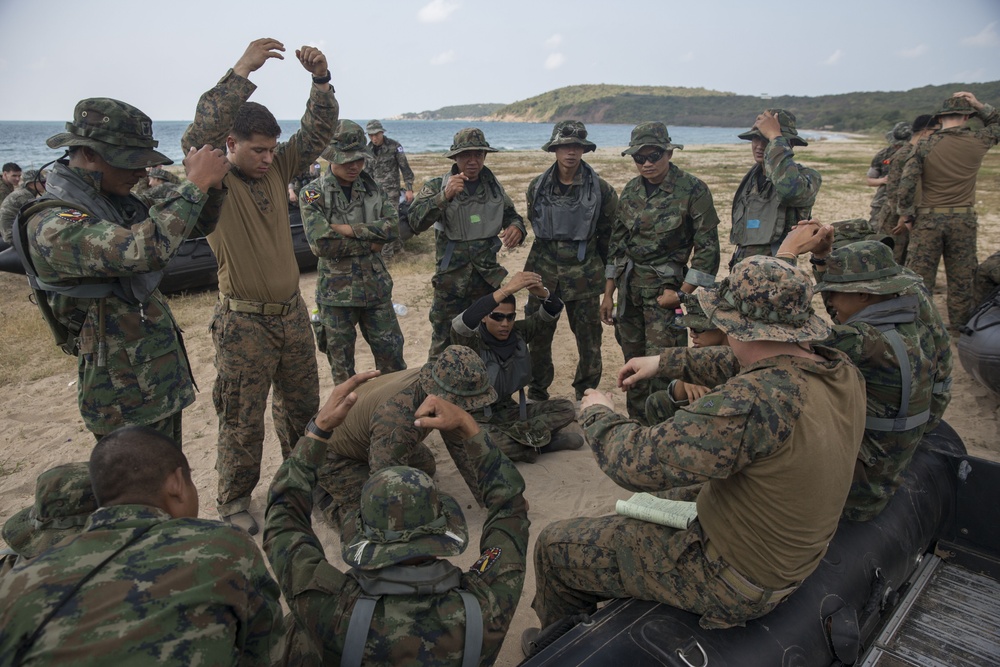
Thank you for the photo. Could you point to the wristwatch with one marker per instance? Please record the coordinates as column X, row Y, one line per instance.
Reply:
column 317, row 431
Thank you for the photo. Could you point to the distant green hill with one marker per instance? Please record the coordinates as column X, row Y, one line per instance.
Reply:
column 460, row 111
column 596, row 99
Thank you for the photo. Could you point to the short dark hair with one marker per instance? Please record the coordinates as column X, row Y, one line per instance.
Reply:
column 130, row 465
column 510, row 299
column 253, row 118
column 922, row 122
column 11, row 166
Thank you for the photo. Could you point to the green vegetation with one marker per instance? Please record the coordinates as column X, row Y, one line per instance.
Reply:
column 458, row 112
column 595, row 100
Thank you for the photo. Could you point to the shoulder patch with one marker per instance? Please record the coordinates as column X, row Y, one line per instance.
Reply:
column 72, row 215
column 486, row 561
column 309, row 195
column 399, row 149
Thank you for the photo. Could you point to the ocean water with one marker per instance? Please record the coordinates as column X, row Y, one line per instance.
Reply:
column 23, row 142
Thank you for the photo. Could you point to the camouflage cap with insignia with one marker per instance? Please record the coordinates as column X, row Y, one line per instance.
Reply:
column 650, row 134
column 64, row 499
column 402, row 516
column 349, row 144
column 956, row 106
column 568, row 133
column 858, row 229
column 118, row 132
column 865, row 267
column 469, row 139
column 458, row 376
column 163, row 175
column 786, row 121
column 374, row 127
column 764, row 298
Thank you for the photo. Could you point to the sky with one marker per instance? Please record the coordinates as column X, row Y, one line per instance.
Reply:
column 389, row 57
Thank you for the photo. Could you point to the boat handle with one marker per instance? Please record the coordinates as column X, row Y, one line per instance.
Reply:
column 704, row 656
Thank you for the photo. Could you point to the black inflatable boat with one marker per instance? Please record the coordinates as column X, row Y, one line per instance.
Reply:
column 916, row 586
column 979, row 344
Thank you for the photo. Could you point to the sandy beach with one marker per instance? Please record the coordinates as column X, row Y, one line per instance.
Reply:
column 42, row 426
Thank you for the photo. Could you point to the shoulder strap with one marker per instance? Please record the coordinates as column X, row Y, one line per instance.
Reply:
column 357, row 631
column 902, row 422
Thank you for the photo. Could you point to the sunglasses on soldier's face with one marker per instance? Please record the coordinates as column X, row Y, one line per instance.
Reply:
column 500, row 317
column 653, row 157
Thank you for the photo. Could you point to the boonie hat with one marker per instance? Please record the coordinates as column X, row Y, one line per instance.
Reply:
column 568, row 133
column 33, row 175
column 846, row 232
column 374, row 127
column 469, row 139
column 764, row 298
column 118, row 132
column 458, row 376
column 402, row 516
column 64, row 499
column 901, row 131
column 650, row 134
column 348, row 144
column 694, row 317
column 865, row 267
column 955, row 106
column 163, row 175
column 786, row 121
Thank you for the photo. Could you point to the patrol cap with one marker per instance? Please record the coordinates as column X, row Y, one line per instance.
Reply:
column 402, row 516
column 64, row 499
column 118, row 132
column 858, row 229
column 865, row 267
column 374, row 127
column 348, row 144
column 163, row 175
column 33, row 175
column 469, row 139
column 650, row 134
column 955, row 106
column 694, row 317
column 568, row 133
column 764, row 298
column 786, row 121
column 458, row 376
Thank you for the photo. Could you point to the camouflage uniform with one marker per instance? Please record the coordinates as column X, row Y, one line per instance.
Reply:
column 521, row 430
column 354, row 287
column 654, row 237
column 386, row 163
column 172, row 592
column 888, row 215
column 260, row 343
column 570, row 272
column 132, row 367
column 406, row 628
column 898, row 138
column 944, row 221
column 13, row 203
column 466, row 269
column 5, row 190
column 63, row 500
column 773, row 196
column 987, row 278
column 765, row 477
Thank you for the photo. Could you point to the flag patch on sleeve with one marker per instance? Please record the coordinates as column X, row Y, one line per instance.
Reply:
column 309, row 195
column 486, row 561
column 72, row 215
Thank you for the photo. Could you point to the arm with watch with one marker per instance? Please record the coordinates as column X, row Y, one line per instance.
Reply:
column 808, row 236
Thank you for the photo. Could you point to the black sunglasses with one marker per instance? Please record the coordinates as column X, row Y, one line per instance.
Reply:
column 655, row 156
column 500, row 317
column 572, row 131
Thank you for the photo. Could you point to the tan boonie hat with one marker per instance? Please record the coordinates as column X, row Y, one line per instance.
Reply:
column 402, row 516
column 374, row 127
column 956, row 106
column 118, row 132
column 569, row 133
column 865, row 267
column 786, row 121
column 469, row 139
column 64, row 499
column 459, row 376
column 764, row 298
column 650, row 134
column 348, row 144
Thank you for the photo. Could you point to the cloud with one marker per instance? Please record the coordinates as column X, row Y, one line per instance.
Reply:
column 554, row 61
column 834, row 57
column 973, row 75
column 554, row 41
column 915, row 52
column 443, row 58
column 986, row 37
column 687, row 57
column 437, row 11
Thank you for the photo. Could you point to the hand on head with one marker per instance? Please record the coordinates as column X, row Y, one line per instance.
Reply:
column 206, row 166
column 437, row 413
column 341, row 400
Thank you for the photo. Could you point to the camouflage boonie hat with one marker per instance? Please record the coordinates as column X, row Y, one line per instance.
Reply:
column 459, row 376
column 469, row 139
column 955, row 106
column 650, row 134
column 764, row 298
column 568, row 133
column 118, row 132
column 846, row 232
column 901, row 131
column 163, row 175
column 865, row 267
column 33, row 175
column 402, row 516
column 694, row 317
column 786, row 121
column 64, row 499
column 374, row 127
column 349, row 144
